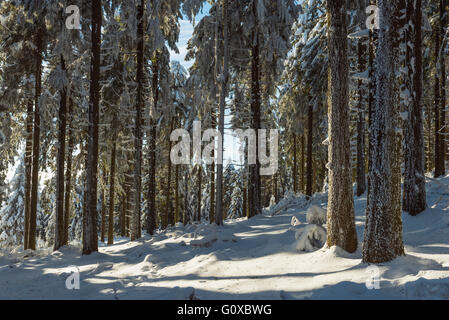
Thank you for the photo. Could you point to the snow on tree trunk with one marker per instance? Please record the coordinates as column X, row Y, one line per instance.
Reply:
column 341, row 217
column 90, row 240
column 383, row 227
column 361, row 159
column 414, row 195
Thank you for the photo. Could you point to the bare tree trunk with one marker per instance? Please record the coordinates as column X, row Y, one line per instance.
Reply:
column 123, row 215
column 90, row 242
column 28, row 167
column 68, row 174
column 414, row 195
column 135, row 221
column 443, row 130
column 295, row 166
column 254, row 169
column 112, row 183
column 169, row 219
column 361, row 160
column 383, row 227
column 340, row 212
column 303, row 164
column 309, row 188
column 151, row 213
column 36, row 147
column 198, row 208
column 223, row 95
column 437, row 106
column 103, row 214
column 177, row 218
column 59, row 225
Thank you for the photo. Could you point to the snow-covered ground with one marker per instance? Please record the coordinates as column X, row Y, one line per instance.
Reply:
column 246, row 259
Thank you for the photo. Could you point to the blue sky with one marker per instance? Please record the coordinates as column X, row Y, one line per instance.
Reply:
column 231, row 144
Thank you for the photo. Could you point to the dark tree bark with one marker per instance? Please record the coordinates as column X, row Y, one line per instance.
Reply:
column 177, row 218
column 36, row 146
column 340, row 212
column 223, row 94
column 414, row 195
column 59, row 225
column 442, row 58
column 112, row 182
column 28, row 167
column 103, row 214
column 90, row 241
column 68, row 174
column 309, row 187
column 437, row 105
column 295, row 166
column 151, row 213
column 198, row 206
column 212, row 181
column 123, row 214
column 303, row 164
column 135, row 221
column 254, row 169
column 169, row 218
column 361, row 159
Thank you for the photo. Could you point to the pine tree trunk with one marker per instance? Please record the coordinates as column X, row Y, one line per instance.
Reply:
column 254, row 169
column 437, row 106
column 212, row 180
column 295, row 166
column 36, row 147
column 275, row 187
column 223, row 95
column 169, row 219
column 135, row 221
column 303, row 164
column 123, row 213
column 28, row 167
column 414, row 195
column 68, row 174
column 151, row 213
column 177, row 218
column 340, row 212
column 443, row 17
column 112, row 184
column 361, row 160
column 309, row 187
column 90, row 242
column 59, row 225
column 103, row 214
column 199, row 187
column 383, row 227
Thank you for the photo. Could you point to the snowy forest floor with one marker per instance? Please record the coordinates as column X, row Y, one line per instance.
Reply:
column 246, row 259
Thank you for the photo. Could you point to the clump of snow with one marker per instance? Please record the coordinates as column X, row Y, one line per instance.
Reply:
column 205, row 241
column 316, row 215
column 310, row 238
column 295, row 222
